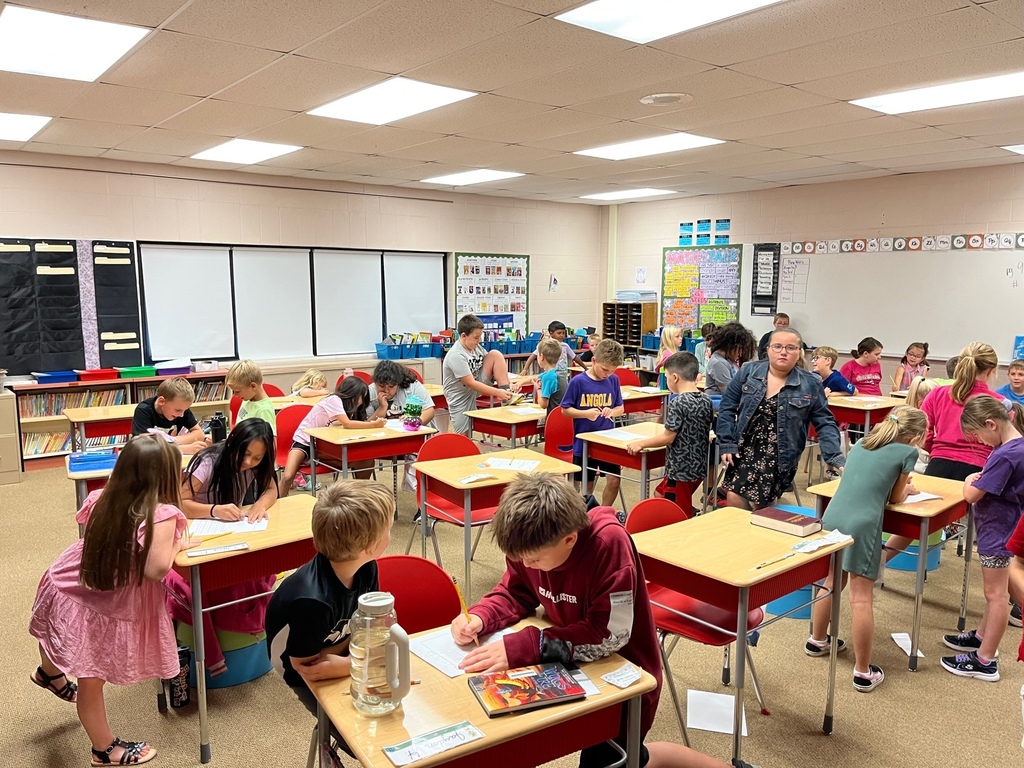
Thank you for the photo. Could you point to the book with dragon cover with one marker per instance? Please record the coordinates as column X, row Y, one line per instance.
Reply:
column 525, row 688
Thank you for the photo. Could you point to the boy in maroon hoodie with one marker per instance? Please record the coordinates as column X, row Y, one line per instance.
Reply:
column 582, row 568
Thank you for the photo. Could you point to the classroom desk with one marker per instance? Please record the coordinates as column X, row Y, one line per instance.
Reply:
column 900, row 394
column 514, row 741
column 340, row 446
column 600, row 446
column 511, row 422
column 919, row 521
column 287, row 543
column 716, row 557
column 99, row 421
column 285, row 400
column 443, row 478
column 859, row 409
column 636, row 401
column 436, row 392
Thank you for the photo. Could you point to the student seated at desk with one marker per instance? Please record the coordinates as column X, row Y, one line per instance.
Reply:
column 583, row 570
column 731, row 346
column 1014, row 391
column 823, row 361
column 313, row 383
column 245, row 380
column 913, row 364
column 687, row 433
column 169, row 412
column 345, row 408
column 218, row 482
column 393, row 385
column 467, row 372
column 567, row 355
column 587, row 355
column 550, row 385
column 307, row 620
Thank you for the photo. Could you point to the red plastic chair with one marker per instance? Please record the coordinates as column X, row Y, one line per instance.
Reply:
column 441, row 509
column 684, row 616
column 235, row 405
column 558, row 435
column 287, row 421
column 425, row 596
column 627, row 377
column 415, row 373
column 272, row 390
column 359, row 375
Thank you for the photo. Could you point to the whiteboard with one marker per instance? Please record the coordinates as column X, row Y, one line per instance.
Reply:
column 348, row 299
column 187, row 295
column 946, row 298
column 414, row 292
column 273, row 303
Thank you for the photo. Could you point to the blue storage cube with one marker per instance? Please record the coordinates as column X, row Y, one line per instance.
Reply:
column 388, row 352
column 55, row 377
column 530, row 345
column 691, row 345
column 506, row 347
column 437, row 349
column 408, row 351
column 424, row 350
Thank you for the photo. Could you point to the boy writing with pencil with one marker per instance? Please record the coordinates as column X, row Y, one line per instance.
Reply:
column 582, row 569
column 169, row 412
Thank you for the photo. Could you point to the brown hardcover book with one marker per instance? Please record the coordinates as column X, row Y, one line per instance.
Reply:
column 785, row 521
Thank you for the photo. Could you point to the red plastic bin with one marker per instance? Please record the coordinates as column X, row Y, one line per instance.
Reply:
column 97, row 374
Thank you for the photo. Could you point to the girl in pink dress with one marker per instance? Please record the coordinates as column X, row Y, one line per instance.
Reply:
column 99, row 613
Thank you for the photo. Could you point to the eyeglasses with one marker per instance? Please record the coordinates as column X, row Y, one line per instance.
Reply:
column 787, row 347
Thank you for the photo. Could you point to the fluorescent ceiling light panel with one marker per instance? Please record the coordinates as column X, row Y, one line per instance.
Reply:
column 657, row 145
column 471, row 177
column 245, row 152
column 390, row 101
column 1018, row 148
column 642, row 21
column 49, row 44
column 20, row 127
column 947, row 95
column 628, row 194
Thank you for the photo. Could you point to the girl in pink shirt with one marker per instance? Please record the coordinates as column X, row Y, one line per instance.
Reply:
column 864, row 371
column 913, row 364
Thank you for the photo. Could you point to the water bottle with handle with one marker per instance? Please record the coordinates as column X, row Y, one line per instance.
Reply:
column 379, row 651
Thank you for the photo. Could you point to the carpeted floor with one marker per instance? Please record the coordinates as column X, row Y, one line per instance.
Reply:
column 914, row 720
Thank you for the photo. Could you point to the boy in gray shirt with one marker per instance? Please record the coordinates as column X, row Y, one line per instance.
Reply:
column 468, row 372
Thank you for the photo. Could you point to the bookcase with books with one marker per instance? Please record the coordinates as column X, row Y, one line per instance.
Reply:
column 46, row 432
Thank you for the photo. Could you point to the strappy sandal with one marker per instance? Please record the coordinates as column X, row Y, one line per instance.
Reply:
column 132, row 754
column 67, row 692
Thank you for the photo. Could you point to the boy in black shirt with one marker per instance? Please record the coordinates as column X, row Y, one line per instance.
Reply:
column 169, row 412
column 307, row 619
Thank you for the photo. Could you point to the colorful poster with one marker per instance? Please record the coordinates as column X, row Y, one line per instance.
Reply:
column 700, row 285
column 493, row 284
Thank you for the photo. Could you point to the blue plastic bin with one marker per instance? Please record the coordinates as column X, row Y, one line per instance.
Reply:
column 436, row 350
column 799, row 596
column 424, row 350
column 507, row 347
column 907, row 561
column 408, row 351
column 55, row 377
column 650, row 341
column 691, row 345
column 389, row 352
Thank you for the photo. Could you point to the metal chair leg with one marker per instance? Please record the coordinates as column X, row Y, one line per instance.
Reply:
column 437, row 549
column 753, row 679
column 313, row 743
column 726, row 676
column 394, row 475
column 479, row 533
column 622, row 498
column 415, row 530
column 667, row 674
column 796, row 494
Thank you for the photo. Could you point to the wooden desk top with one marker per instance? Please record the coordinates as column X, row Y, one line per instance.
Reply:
column 98, row 474
column 951, row 491
column 440, row 701
column 725, row 546
column 448, row 471
column 434, row 389
column 864, row 402
column 100, row 413
column 290, row 520
column 506, row 415
column 286, row 400
column 341, row 436
column 640, row 430
column 629, row 391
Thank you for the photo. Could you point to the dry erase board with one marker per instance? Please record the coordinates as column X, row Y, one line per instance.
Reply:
column 947, row 298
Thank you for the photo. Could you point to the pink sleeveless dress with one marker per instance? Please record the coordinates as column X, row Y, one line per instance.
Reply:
column 122, row 636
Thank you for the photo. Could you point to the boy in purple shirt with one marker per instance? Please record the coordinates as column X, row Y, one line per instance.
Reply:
column 592, row 400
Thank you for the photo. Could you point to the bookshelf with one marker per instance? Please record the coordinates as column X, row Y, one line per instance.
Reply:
column 627, row 321
column 44, row 431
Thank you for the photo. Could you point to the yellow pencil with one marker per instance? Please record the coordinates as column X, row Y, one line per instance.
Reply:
column 465, row 610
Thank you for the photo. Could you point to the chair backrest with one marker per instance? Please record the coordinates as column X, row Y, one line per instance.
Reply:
column 415, row 373
column 448, row 445
column 653, row 513
column 359, row 375
column 425, row 597
column 627, row 377
column 288, row 419
column 558, row 435
column 234, row 405
column 272, row 390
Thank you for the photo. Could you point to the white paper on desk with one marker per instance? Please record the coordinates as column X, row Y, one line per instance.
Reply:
column 903, row 641
column 518, row 465
column 623, row 677
column 919, row 496
column 439, row 650
column 651, row 390
column 711, row 712
column 810, row 545
column 620, row 434
column 527, row 410
column 432, row 743
column 212, row 527
column 395, row 424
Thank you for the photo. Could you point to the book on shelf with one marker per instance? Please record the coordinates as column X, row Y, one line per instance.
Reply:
column 41, row 443
column 784, row 521
column 53, row 403
column 525, row 688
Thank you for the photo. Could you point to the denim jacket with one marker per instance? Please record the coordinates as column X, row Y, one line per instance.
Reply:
column 802, row 402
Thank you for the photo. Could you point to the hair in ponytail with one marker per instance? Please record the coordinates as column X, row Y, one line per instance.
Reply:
column 984, row 408
column 867, row 344
column 975, row 359
column 902, row 422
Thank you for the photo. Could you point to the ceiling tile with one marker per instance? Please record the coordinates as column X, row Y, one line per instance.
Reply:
column 163, row 142
column 810, row 173
column 776, row 101
column 869, row 141
column 952, row 165
column 907, row 150
column 533, row 50
column 506, row 157
column 307, row 159
column 445, row 149
column 1009, row 10
column 130, row 106
column 613, row 133
column 306, row 131
column 833, row 132
column 299, row 84
column 139, row 157
column 790, row 25
column 954, row 31
column 994, row 111
column 380, row 140
column 63, row 149
column 34, row 95
column 555, row 163
column 603, row 170
column 542, row 7
column 554, row 122
column 469, row 114
column 209, row 164
column 401, row 34
column 325, row 176
column 280, row 25
column 634, row 67
column 855, row 176
column 960, row 156
column 370, row 165
column 85, row 133
column 176, row 63
column 827, row 114
column 150, row 13
column 991, row 125
column 225, row 118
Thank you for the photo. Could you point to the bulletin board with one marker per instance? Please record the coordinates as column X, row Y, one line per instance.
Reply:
column 700, row 285
column 492, row 284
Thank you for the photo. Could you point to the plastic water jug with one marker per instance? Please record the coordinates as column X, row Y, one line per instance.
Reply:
column 379, row 651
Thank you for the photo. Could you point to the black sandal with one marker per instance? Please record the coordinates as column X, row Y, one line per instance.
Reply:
column 67, row 692
column 132, row 754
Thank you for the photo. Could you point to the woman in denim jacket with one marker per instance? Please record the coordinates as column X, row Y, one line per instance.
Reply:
column 763, row 421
